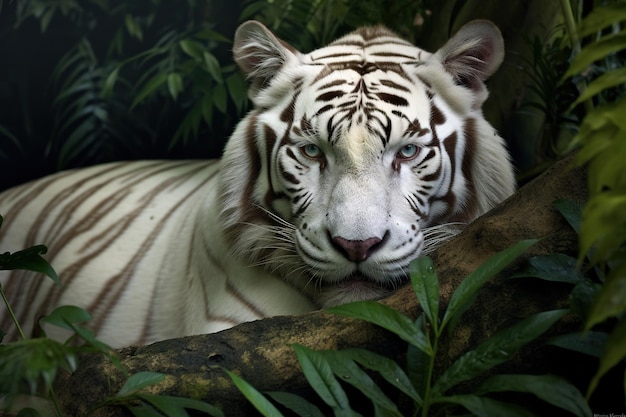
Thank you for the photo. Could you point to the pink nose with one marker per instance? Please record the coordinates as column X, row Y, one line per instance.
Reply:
column 357, row 250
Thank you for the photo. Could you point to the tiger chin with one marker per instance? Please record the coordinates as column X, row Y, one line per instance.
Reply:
column 355, row 159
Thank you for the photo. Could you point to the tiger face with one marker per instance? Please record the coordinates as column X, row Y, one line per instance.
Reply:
column 354, row 150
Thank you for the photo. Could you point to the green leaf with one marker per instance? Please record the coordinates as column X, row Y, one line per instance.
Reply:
column 614, row 352
column 109, row 82
column 174, row 84
column 486, row 407
column 604, row 225
column 605, row 46
column 238, row 91
column 139, row 381
column 262, row 404
column 426, row 286
column 589, row 343
column 387, row 368
column 66, row 316
column 295, row 403
column 466, row 291
column 582, row 296
column 496, row 350
column 149, row 88
column 31, row 361
column 552, row 389
column 345, row 368
column 213, row 66
column 30, row 260
column 556, row 268
column 418, row 363
column 607, row 80
column 220, row 98
column 193, row 49
column 572, row 211
column 387, row 318
column 320, row 376
column 611, row 299
column 175, row 406
column 134, row 29
column 601, row 17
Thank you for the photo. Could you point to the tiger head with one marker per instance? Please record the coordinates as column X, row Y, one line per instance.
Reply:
column 353, row 151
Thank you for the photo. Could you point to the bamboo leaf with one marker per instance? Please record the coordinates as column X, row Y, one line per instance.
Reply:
column 109, row 82
column 220, row 98
column 601, row 17
column 66, row 316
column 262, row 404
column 387, row 318
column 552, row 389
column 192, row 48
column 466, row 291
column 426, row 286
column 572, row 211
column 497, row 349
column 320, row 376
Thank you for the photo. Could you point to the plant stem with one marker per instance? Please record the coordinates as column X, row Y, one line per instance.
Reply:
column 429, row 379
column 12, row 314
column 570, row 24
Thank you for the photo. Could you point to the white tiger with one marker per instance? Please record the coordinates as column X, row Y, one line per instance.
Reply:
column 323, row 196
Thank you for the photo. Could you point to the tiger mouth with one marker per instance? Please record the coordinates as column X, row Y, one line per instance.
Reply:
column 358, row 280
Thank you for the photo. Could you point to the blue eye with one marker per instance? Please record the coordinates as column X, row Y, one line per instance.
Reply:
column 312, row 151
column 408, row 151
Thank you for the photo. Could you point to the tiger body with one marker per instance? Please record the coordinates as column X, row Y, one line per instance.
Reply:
column 322, row 197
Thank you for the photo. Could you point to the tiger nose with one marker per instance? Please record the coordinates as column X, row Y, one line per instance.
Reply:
column 357, row 250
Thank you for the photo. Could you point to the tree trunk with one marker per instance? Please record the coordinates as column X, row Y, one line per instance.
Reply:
column 261, row 353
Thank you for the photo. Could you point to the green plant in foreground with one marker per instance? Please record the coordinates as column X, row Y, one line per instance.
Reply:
column 27, row 363
column 322, row 368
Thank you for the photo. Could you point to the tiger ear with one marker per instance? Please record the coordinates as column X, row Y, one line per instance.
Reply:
column 260, row 54
column 473, row 54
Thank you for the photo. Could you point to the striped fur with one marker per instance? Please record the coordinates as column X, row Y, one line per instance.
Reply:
column 355, row 158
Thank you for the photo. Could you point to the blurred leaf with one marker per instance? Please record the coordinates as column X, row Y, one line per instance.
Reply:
column 465, row 293
column 213, row 66
column 194, row 49
column 262, row 404
column 426, row 286
column 581, row 297
column 556, row 267
column 572, row 211
column 139, row 381
column 109, row 82
column 552, row 389
column 604, row 224
column 295, row 403
column 600, row 49
column 134, row 29
column 486, row 407
column 32, row 361
column 610, row 301
column 174, row 84
column 320, row 376
column 589, row 343
column 387, row 318
column 601, row 17
column 29, row 259
column 495, row 350
column 220, row 98
column 614, row 352
column 149, row 88
column 607, row 80
column 67, row 316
